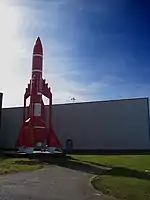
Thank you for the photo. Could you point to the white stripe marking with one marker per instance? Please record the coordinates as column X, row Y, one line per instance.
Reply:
column 39, row 55
column 36, row 70
column 39, row 127
column 39, row 93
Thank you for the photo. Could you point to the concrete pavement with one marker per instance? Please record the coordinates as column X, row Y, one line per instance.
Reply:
column 52, row 183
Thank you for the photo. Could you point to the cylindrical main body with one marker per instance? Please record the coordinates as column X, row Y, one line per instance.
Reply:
column 36, row 81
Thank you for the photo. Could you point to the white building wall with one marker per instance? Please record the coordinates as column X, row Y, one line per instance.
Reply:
column 120, row 124
column 111, row 125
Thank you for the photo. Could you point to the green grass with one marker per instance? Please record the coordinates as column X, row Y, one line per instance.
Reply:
column 11, row 165
column 123, row 188
column 126, row 180
column 138, row 162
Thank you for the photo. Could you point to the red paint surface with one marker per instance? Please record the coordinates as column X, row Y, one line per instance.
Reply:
column 29, row 134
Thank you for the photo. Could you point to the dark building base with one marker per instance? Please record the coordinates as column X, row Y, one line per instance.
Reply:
column 95, row 151
column 110, row 152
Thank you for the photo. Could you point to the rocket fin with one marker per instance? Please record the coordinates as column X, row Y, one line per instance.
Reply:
column 46, row 90
column 53, row 140
column 27, row 92
column 26, row 137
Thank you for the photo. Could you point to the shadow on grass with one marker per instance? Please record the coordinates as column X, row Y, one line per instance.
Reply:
column 125, row 172
column 88, row 167
column 2, row 156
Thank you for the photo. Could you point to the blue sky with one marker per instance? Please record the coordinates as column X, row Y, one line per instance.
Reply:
column 94, row 50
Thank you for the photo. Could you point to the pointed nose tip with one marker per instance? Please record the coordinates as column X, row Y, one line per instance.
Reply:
column 38, row 40
column 38, row 49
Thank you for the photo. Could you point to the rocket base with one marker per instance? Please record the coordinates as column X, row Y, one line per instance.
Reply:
column 51, row 150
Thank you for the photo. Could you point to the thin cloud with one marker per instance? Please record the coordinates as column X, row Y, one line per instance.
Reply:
column 67, row 74
column 16, row 73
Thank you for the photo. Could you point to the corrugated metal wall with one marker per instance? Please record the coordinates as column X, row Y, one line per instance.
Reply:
column 120, row 124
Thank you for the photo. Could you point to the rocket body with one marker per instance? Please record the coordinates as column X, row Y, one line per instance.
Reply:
column 36, row 80
column 34, row 131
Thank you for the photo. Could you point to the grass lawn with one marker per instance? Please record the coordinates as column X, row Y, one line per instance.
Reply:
column 137, row 162
column 10, row 165
column 127, row 179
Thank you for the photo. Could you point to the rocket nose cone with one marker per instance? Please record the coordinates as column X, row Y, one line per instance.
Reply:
column 38, row 40
column 38, row 49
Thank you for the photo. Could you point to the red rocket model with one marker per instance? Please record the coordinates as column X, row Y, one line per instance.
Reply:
column 34, row 132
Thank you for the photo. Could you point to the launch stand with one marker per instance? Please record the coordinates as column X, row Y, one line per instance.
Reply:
column 35, row 155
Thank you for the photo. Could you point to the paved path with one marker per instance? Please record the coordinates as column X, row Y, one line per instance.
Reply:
column 53, row 183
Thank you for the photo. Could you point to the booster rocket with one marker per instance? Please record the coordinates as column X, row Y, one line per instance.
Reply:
column 34, row 133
